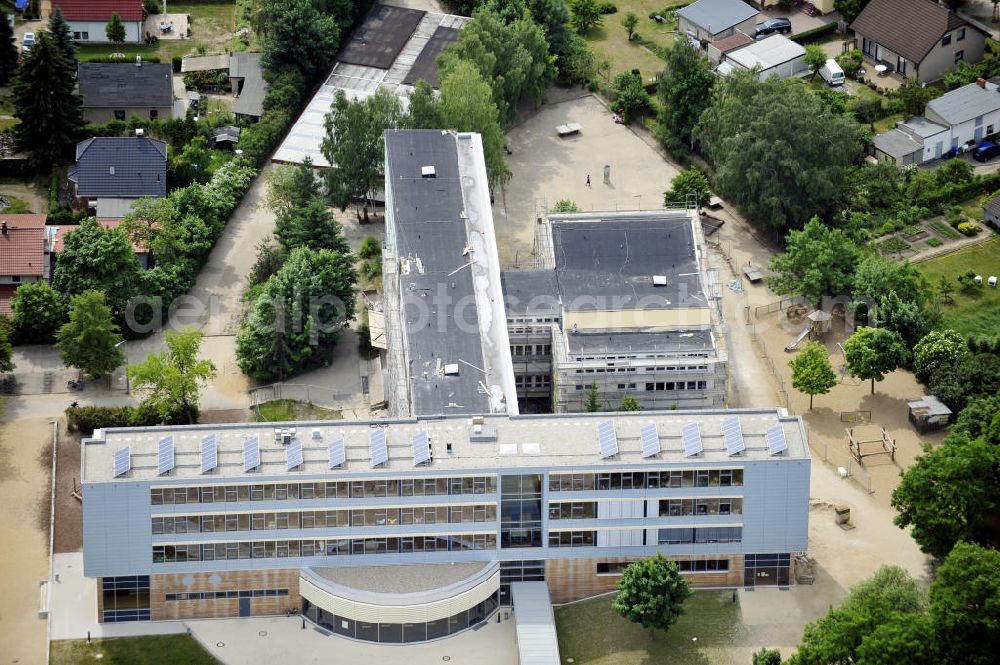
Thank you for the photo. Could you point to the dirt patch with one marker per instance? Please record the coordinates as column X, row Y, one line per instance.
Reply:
column 217, row 416
column 69, row 509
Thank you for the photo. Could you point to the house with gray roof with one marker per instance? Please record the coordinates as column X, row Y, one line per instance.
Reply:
column 917, row 39
column 110, row 167
column 120, row 90
column 249, row 86
column 709, row 20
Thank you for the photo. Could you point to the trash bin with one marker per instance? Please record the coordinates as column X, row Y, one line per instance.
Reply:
column 843, row 514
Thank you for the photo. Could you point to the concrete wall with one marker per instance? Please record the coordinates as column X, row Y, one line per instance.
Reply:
column 102, row 115
column 96, row 31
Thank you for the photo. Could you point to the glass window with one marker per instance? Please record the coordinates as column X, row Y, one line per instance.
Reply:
column 391, row 633
column 367, row 631
column 945, row 40
column 414, row 632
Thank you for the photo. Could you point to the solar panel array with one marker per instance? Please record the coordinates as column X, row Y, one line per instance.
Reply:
column 421, row 447
column 650, row 440
column 209, row 453
column 251, row 453
column 338, row 455
column 691, row 436
column 378, row 446
column 776, row 442
column 123, row 461
column 733, row 434
column 607, row 438
column 165, row 455
column 294, row 454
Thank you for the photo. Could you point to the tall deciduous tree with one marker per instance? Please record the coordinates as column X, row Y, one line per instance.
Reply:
column 8, row 50
column 849, row 9
column 62, row 35
column 552, row 15
column 965, row 604
column 290, row 187
column 651, row 593
column 38, row 311
column 812, row 373
column 115, row 30
column 310, row 225
column 585, row 15
column 689, row 184
column 297, row 35
column 684, row 91
column 817, row 261
column 89, row 341
column 871, row 353
column 171, row 381
column 46, row 104
column 937, row 349
column 95, row 258
column 630, row 95
column 815, row 58
column 424, row 111
column 467, row 106
column 876, row 276
column 766, row 657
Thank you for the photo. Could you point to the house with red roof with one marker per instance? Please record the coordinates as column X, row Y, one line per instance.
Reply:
column 24, row 255
column 88, row 18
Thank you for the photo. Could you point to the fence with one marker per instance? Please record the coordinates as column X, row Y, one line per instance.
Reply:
column 843, row 460
column 769, row 363
column 771, row 308
column 301, row 392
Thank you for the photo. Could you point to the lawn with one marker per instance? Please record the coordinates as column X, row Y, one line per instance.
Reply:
column 212, row 26
column 147, row 650
column 283, row 410
column 611, row 41
column 592, row 634
column 978, row 313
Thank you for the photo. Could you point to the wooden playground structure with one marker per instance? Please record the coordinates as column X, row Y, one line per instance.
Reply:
column 867, row 440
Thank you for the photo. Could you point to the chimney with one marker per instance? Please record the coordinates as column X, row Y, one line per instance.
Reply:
column 981, row 83
column 3, row 227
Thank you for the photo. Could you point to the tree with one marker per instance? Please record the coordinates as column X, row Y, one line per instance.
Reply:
column 290, row 187
column 629, row 22
column 89, row 341
column 62, row 35
column 849, row 9
column 630, row 95
column 593, row 402
column 629, row 403
column 8, row 50
column 939, row 348
column 767, row 657
column 871, row 353
column 950, row 494
column 297, row 36
column 354, row 143
column 838, row 636
column 979, row 419
column 914, row 96
column 903, row 317
column 578, row 64
column 424, row 111
column 688, row 185
column 867, row 110
column 779, row 153
column 817, row 261
column 115, row 30
column 38, row 311
column 815, row 58
column 565, row 205
column 965, row 604
column 311, row 226
column 585, row 15
column 684, row 90
column 812, row 373
column 467, row 106
column 46, row 104
column 99, row 259
column 903, row 638
column 946, row 289
column 651, row 593
column 170, row 381
column 875, row 276
column 6, row 349
column 551, row 15
column 296, row 318
column 192, row 164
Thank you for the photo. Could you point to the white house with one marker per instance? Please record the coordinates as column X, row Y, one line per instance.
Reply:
column 775, row 56
column 88, row 19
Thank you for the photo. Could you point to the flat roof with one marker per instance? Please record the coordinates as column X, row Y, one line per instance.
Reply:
column 401, row 579
column 897, row 143
column 689, row 341
column 533, row 292
column 767, row 53
column 537, row 441
column 381, row 37
column 425, row 66
column 449, row 275
column 534, row 624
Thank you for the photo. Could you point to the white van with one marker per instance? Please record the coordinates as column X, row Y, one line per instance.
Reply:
column 832, row 73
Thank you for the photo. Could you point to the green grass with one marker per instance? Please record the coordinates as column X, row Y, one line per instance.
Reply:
column 146, row 650
column 591, row 632
column 944, row 229
column 289, row 409
column 611, row 41
column 212, row 26
column 17, row 206
column 978, row 313
column 973, row 208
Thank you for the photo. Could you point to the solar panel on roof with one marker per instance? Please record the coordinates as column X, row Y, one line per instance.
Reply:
column 209, row 453
column 733, row 434
column 251, row 453
column 294, row 454
column 337, row 453
column 650, row 440
column 165, row 455
column 776, row 442
column 123, row 461
column 607, row 438
column 378, row 447
column 691, row 436
column 421, row 447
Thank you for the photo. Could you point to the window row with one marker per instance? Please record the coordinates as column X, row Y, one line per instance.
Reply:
column 662, row 386
column 684, row 507
column 712, row 534
column 281, row 549
column 644, row 356
column 219, row 595
column 319, row 519
column 533, row 381
column 575, row 510
column 700, row 566
column 531, row 350
column 572, row 538
column 357, row 489
column 576, row 482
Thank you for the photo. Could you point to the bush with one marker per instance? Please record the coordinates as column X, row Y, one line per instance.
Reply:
column 177, row 63
column 967, row 281
column 64, row 216
column 86, row 419
column 850, row 62
column 370, row 248
column 934, row 242
column 968, row 228
column 606, row 8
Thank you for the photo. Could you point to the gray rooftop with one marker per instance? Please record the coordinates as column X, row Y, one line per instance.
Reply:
column 535, row 624
column 254, row 87
column 538, row 441
column 897, row 143
column 687, row 341
column 921, row 126
column 534, row 292
column 125, row 85
column 992, row 207
column 120, row 167
column 966, row 103
column 449, row 277
column 243, row 64
column 717, row 16
column 401, row 579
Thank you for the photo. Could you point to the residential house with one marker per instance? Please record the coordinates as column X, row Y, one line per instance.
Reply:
column 917, row 39
column 774, row 56
column 717, row 49
column 706, row 21
column 57, row 238
column 120, row 90
column 119, row 168
column 23, row 254
column 249, row 86
column 991, row 212
column 88, row 19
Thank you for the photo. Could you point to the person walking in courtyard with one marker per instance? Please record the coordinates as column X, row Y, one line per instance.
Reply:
column 588, row 180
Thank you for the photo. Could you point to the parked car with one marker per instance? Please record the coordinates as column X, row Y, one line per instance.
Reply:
column 27, row 41
column 986, row 151
column 771, row 26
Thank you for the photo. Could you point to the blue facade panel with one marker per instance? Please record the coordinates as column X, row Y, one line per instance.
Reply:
column 117, row 531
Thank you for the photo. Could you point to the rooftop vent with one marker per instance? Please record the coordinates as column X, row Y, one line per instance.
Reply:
column 659, row 280
column 451, row 369
column 428, row 172
column 139, row 131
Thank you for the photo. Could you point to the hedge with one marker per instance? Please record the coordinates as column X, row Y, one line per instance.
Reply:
column 815, row 32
